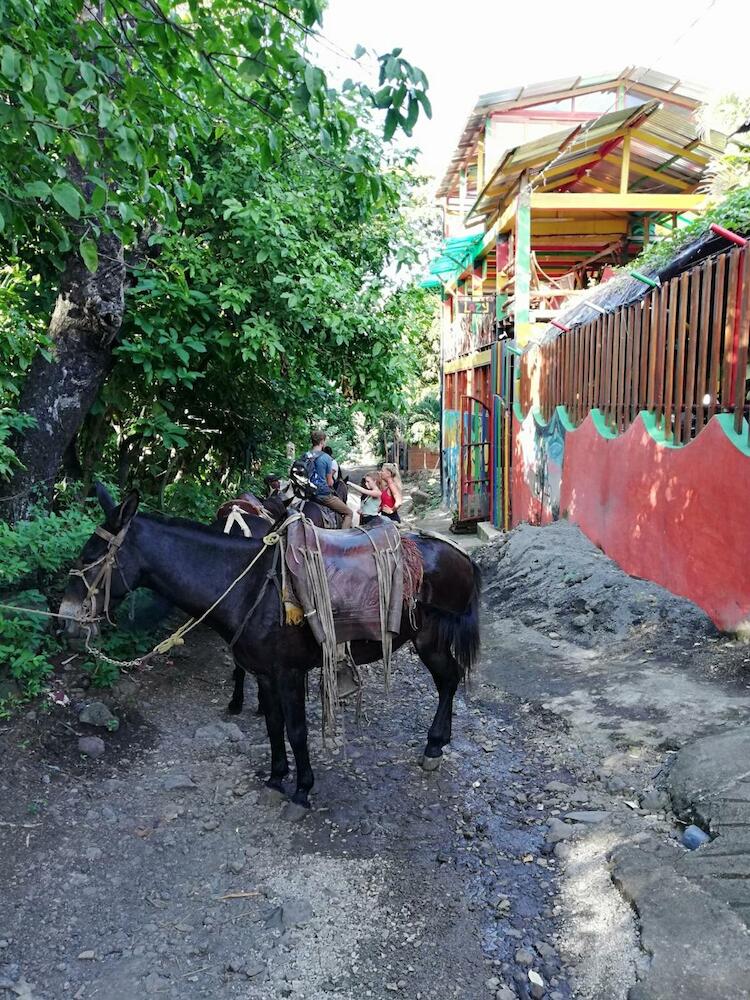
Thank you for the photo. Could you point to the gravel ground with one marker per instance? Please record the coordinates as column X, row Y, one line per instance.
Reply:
column 163, row 867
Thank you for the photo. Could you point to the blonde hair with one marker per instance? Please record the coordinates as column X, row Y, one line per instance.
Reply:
column 393, row 469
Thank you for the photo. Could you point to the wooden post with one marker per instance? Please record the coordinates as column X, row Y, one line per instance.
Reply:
column 625, row 166
column 679, row 366
column 462, row 191
column 692, row 350
column 740, row 388
column 703, row 335
column 635, row 378
column 670, row 358
column 523, row 264
column 717, row 311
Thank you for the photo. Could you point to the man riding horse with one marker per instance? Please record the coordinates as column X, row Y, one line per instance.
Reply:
column 320, row 473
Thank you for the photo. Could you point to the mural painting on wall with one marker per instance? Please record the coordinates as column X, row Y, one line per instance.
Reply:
column 542, row 454
column 451, row 449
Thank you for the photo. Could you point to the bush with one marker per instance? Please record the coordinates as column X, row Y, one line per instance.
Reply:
column 39, row 548
column 25, row 643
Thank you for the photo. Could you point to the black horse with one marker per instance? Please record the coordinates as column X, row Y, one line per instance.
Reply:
column 192, row 565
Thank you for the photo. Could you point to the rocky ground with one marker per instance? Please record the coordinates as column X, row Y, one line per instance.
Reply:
column 542, row 860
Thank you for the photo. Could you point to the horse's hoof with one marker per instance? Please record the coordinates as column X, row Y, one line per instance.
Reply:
column 295, row 812
column 272, row 794
column 233, row 708
column 431, row 763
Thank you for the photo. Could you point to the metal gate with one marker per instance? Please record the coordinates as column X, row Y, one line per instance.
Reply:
column 474, row 492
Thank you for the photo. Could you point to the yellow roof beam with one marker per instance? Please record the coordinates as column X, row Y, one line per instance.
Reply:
column 638, row 168
column 633, row 202
column 596, row 183
column 578, row 227
column 669, row 147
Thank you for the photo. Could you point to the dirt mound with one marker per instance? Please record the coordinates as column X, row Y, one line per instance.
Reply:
column 556, row 577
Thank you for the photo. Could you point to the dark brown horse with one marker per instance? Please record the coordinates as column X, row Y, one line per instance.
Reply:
column 192, row 565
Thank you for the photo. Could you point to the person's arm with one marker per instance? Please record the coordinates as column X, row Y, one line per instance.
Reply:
column 398, row 497
column 363, row 491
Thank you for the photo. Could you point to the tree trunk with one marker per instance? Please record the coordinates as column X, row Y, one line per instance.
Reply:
column 85, row 323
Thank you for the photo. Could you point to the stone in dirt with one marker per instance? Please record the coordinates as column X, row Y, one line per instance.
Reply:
column 586, row 816
column 655, row 800
column 219, row 732
column 693, row 837
column 557, row 830
column 524, row 957
column 296, row 912
column 91, row 746
column 96, row 713
column 178, row 782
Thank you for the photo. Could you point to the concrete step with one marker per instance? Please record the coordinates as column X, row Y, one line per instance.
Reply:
column 487, row 532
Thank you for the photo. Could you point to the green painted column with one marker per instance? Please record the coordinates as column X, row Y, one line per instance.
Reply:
column 522, row 264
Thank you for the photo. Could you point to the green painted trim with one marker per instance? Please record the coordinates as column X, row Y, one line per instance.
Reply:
column 562, row 416
column 740, row 441
column 600, row 423
column 654, row 428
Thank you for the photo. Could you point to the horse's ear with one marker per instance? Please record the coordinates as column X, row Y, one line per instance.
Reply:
column 105, row 498
column 127, row 509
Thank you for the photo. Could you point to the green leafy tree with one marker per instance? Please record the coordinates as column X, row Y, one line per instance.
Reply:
column 105, row 111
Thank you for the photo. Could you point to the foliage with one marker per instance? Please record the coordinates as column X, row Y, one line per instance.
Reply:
column 262, row 212
column 43, row 546
column 25, row 644
column 262, row 319
column 733, row 213
column 103, row 108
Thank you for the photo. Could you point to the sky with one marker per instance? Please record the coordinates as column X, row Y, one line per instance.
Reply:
column 474, row 47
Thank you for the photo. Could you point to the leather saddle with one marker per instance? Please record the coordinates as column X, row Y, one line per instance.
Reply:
column 233, row 510
column 350, row 558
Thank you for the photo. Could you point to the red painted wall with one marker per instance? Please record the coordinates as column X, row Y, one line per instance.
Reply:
column 678, row 516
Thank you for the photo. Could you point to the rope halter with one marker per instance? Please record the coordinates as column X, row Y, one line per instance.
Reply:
column 104, row 567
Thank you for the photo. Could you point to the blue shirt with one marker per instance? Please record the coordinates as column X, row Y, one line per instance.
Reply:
column 323, row 468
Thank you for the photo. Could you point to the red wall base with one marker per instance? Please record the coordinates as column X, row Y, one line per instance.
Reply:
column 677, row 516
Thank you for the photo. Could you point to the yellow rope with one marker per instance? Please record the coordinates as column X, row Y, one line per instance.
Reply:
column 177, row 638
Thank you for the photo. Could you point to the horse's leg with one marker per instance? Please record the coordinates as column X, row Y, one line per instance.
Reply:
column 238, row 697
column 275, row 726
column 292, row 690
column 446, row 673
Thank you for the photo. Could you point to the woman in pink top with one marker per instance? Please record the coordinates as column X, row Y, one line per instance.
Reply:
column 391, row 492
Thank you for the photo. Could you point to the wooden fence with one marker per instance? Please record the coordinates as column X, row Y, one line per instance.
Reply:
column 681, row 353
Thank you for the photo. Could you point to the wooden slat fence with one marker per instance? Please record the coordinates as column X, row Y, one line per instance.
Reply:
column 681, row 353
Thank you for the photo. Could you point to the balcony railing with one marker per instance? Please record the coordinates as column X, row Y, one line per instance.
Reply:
column 473, row 328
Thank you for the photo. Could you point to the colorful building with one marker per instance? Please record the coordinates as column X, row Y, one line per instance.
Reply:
column 551, row 188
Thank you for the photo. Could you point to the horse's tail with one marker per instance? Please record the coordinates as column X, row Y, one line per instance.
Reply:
column 460, row 632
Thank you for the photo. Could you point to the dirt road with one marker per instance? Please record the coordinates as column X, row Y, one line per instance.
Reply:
column 162, row 867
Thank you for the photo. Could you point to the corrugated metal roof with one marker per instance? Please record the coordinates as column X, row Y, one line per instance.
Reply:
column 638, row 80
column 581, row 158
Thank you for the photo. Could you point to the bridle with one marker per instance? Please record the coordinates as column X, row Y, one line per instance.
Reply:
column 104, row 567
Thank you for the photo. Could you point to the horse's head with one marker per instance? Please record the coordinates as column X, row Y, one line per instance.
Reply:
column 107, row 569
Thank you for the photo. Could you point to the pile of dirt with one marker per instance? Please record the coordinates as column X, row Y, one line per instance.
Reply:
column 555, row 577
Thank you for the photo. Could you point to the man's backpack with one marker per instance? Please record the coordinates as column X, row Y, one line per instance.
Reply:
column 304, row 476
